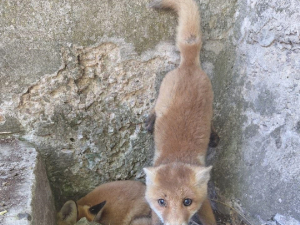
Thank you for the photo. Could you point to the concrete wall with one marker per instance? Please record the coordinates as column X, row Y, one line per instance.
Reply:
column 256, row 84
column 26, row 197
column 79, row 78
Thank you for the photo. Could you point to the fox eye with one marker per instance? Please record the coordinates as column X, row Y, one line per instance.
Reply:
column 187, row 202
column 161, row 202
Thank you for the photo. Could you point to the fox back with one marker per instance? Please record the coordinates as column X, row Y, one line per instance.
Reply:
column 118, row 202
column 177, row 182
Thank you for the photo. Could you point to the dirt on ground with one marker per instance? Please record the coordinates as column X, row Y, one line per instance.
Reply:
column 233, row 219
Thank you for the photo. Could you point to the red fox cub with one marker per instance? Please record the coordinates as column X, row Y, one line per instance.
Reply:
column 114, row 203
column 177, row 182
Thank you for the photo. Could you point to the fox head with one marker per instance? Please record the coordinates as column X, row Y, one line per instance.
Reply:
column 175, row 192
column 70, row 213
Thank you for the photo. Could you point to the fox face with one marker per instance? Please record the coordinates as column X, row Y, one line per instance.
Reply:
column 175, row 192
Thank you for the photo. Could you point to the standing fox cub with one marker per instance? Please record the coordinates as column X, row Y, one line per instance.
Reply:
column 177, row 182
column 114, row 203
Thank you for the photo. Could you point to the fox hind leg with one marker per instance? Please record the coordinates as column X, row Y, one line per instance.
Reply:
column 150, row 121
column 206, row 214
column 214, row 138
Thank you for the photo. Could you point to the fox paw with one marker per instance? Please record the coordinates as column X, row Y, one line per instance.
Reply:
column 150, row 121
column 214, row 139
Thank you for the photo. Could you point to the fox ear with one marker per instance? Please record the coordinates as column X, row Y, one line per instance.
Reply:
column 203, row 174
column 97, row 210
column 68, row 212
column 150, row 175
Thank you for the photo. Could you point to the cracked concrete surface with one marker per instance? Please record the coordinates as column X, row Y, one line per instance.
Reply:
column 78, row 80
column 92, row 112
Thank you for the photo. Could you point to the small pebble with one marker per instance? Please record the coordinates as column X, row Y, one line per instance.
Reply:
column 3, row 212
column 24, row 215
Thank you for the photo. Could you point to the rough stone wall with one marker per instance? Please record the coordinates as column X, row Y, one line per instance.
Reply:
column 87, row 118
column 25, row 194
column 80, row 96
column 79, row 78
column 256, row 84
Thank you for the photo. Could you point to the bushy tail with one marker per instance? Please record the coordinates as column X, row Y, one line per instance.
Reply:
column 188, row 30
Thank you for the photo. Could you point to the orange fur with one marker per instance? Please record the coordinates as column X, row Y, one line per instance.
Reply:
column 182, row 129
column 125, row 204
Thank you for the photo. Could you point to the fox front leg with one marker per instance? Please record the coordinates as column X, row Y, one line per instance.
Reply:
column 206, row 214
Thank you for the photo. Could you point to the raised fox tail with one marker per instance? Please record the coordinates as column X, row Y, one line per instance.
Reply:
column 188, row 30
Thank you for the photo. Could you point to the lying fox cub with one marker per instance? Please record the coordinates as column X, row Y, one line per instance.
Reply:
column 114, row 203
column 177, row 182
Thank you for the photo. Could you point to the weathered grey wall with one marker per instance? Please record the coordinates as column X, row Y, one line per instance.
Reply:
column 25, row 194
column 78, row 79
column 256, row 82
